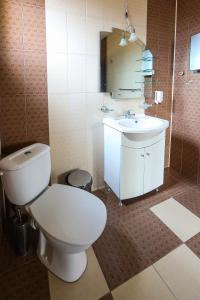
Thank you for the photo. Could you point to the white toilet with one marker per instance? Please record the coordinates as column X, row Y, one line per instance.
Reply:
column 70, row 219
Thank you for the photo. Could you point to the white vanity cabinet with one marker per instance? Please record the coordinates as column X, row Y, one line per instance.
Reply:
column 133, row 165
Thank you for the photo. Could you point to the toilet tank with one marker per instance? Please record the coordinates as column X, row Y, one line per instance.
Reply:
column 26, row 173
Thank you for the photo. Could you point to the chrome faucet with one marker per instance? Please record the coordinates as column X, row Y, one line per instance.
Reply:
column 128, row 114
column 105, row 109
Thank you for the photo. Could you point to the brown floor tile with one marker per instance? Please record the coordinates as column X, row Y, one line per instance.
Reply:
column 107, row 297
column 194, row 244
column 133, row 239
column 28, row 282
column 190, row 199
column 9, row 260
column 22, row 278
column 173, row 185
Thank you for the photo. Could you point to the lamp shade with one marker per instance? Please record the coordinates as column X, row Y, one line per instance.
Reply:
column 123, row 42
column 133, row 37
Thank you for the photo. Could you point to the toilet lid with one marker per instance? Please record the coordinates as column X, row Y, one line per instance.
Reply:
column 70, row 214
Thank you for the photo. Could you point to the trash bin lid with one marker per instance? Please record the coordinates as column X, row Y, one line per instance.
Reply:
column 79, row 178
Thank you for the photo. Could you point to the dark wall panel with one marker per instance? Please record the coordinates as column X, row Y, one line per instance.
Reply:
column 160, row 40
column 23, row 74
column 185, row 152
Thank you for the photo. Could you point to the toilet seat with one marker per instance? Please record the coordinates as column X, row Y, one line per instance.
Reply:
column 69, row 214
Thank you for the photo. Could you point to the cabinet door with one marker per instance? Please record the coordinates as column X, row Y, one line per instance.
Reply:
column 154, row 166
column 132, row 172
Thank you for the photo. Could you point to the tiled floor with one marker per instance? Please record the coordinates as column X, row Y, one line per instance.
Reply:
column 150, row 249
column 180, row 270
column 179, row 219
column 21, row 278
column 92, row 285
column 144, row 286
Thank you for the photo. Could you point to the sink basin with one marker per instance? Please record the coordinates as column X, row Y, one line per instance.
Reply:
column 140, row 124
column 144, row 123
column 132, row 123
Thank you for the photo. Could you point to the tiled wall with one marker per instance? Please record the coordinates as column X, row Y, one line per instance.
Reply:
column 185, row 152
column 23, row 76
column 73, row 55
column 160, row 39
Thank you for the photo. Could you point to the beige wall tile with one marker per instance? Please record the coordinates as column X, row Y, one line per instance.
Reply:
column 77, row 7
column 56, row 30
column 80, row 63
column 68, row 151
column 76, row 34
column 57, row 73
column 93, row 27
column 76, row 73
column 94, row 8
column 92, row 74
column 67, row 112
column 113, row 11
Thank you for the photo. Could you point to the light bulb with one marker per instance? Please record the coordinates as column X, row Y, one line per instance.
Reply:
column 123, row 42
column 133, row 37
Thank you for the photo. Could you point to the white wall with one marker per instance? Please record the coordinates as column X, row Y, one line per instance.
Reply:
column 75, row 119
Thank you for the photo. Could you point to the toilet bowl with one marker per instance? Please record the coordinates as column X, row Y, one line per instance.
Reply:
column 69, row 219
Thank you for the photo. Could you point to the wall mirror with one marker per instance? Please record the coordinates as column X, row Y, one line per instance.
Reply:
column 124, row 67
column 195, row 53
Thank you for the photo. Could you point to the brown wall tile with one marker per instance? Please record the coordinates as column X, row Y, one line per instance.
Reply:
column 11, row 72
column 177, row 150
column 37, row 115
column 35, row 72
column 34, row 28
column 13, row 114
column 186, row 109
column 11, row 29
column 160, row 40
column 23, row 74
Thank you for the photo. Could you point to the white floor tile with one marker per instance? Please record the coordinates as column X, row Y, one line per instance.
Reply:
column 178, row 218
column 180, row 269
column 146, row 285
column 91, row 286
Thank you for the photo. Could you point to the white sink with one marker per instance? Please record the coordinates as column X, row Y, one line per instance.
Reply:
column 139, row 124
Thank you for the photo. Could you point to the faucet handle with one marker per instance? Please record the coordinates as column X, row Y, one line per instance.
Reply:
column 145, row 105
column 105, row 109
column 129, row 113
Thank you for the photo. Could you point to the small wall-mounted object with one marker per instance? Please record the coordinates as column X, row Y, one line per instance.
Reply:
column 182, row 76
column 147, row 63
column 125, row 93
column 181, row 73
column 195, row 53
column 158, row 98
column 105, row 109
column 145, row 105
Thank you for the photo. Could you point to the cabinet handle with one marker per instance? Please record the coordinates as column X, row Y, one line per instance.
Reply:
column 148, row 154
column 142, row 155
